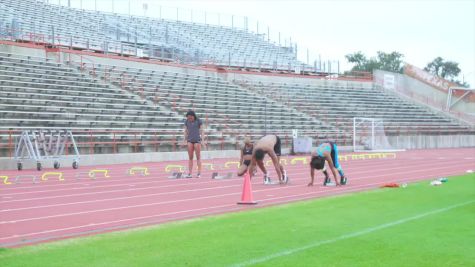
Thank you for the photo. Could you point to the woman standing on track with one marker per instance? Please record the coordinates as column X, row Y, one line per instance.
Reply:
column 193, row 132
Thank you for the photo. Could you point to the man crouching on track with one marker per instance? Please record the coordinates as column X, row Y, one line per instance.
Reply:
column 327, row 151
column 269, row 144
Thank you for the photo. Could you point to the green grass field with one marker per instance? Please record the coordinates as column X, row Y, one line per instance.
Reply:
column 420, row 225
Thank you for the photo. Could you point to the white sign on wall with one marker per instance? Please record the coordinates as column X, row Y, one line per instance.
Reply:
column 388, row 82
column 295, row 133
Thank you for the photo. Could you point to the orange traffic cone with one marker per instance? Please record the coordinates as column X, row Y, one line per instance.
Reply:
column 246, row 197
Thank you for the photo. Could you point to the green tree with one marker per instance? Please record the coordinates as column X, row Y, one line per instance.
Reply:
column 359, row 59
column 390, row 61
column 383, row 61
column 448, row 70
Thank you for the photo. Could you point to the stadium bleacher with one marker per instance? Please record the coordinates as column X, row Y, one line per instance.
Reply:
column 156, row 38
column 338, row 105
column 38, row 94
column 149, row 103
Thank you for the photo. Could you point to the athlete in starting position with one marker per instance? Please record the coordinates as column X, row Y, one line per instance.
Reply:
column 271, row 145
column 246, row 156
column 327, row 151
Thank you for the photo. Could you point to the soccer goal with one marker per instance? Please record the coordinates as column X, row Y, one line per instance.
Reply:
column 369, row 135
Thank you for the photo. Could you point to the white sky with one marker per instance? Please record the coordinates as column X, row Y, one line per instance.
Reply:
column 419, row 29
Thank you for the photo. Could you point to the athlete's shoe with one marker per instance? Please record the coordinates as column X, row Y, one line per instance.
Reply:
column 267, row 180
column 343, row 180
column 188, row 175
column 198, row 175
column 285, row 177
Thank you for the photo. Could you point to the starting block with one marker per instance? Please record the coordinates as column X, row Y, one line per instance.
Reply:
column 18, row 177
column 176, row 175
column 216, row 175
column 271, row 182
column 277, row 182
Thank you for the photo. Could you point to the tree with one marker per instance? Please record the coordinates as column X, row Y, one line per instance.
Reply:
column 359, row 59
column 448, row 70
column 384, row 61
column 390, row 62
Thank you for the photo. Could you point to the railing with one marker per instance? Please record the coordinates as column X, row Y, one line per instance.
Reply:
column 429, row 101
column 154, row 52
column 94, row 141
column 324, row 69
column 135, row 141
column 88, row 140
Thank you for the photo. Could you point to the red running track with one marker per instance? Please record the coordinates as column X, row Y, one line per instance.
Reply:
column 52, row 209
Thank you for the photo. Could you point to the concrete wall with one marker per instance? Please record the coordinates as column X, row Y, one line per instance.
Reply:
column 292, row 80
column 398, row 142
column 134, row 64
column 230, row 76
column 422, row 91
column 438, row 141
column 101, row 159
column 22, row 50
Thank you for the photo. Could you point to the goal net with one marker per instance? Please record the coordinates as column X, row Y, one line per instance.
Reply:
column 369, row 135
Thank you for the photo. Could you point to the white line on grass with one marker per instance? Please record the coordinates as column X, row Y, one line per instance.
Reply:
column 347, row 236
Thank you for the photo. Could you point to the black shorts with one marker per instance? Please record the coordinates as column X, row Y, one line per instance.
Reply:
column 247, row 162
column 195, row 142
column 277, row 146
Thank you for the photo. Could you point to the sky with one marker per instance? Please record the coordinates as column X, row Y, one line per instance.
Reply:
column 419, row 29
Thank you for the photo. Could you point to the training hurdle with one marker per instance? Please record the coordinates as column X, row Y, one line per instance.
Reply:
column 5, row 179
column 143, row 171
column 45, row 175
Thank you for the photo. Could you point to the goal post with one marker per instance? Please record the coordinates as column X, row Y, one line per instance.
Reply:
column 369, row 136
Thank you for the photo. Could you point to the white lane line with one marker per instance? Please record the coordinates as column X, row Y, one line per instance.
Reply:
column 116, row 221
column 99, row 184
column 347, row 236
column 283, row 199
column 429, row 165
column 185, row 191
column 177, row 192
column 429, row 154
column 278, row 200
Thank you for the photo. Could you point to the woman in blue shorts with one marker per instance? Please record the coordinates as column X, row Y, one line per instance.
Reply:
column 328, row 152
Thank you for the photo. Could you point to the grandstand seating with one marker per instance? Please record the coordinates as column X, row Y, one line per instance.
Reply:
column 43, row 94
column 39, row 94
column 338, row 105
column 229, row 108
column 157, row 38
column 124, row 102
